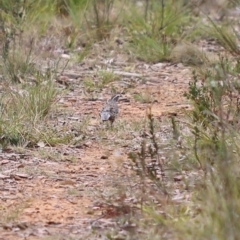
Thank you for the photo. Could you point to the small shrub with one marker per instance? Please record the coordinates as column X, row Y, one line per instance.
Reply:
column 143, row 97
column 23, row 108
column 93, row 87
column 226, row 36
column 147, row 162
column 189, row 54
column 101, row 17
column 155, row 31
column 215, row 141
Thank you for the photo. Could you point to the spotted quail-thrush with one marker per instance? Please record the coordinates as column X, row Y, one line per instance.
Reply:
column 110, row 109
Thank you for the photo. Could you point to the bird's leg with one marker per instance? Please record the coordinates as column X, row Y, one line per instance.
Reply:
column 111, row 124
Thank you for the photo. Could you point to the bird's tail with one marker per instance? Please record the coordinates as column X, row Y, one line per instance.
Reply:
column 105, row 116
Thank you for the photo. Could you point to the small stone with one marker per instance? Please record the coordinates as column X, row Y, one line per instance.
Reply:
column 66, row 56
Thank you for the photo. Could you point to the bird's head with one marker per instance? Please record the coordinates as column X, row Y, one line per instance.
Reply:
column 115, row 97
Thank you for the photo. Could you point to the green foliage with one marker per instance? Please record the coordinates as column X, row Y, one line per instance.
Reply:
column 17, row 65
column 101, row 19
column 215, row 144
column 189, row 54
column 215, row 95
column 107, row 77
column 143, row 97
column 70, row 7
column 24, row 108
column 215, row 107
column 226, row 36
column 93, row 87
column 200, row 96
column 154, row 32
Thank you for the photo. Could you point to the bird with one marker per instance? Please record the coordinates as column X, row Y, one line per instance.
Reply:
column 110, row 110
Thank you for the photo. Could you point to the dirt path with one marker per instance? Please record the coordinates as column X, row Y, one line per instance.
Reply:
column 52, row 191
